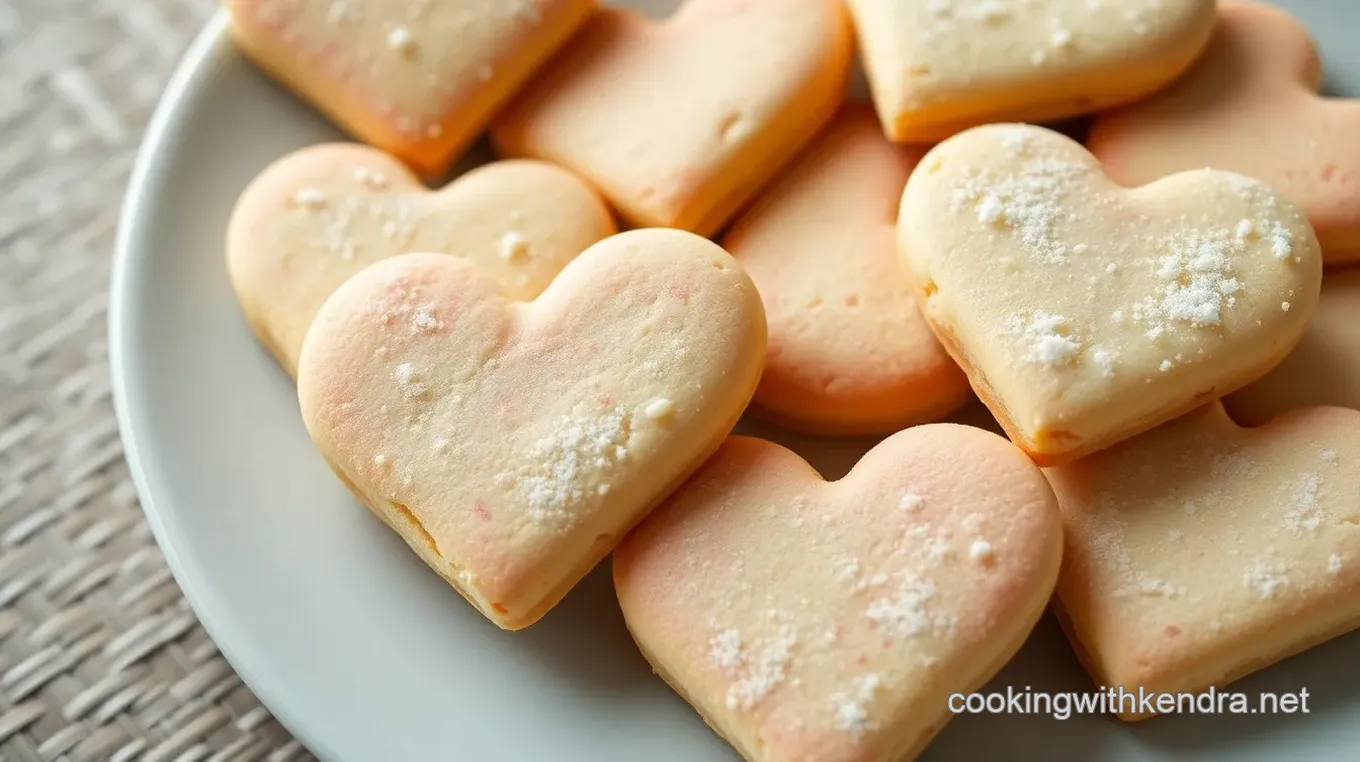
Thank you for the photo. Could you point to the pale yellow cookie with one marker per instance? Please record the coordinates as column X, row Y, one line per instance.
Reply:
column 830, row 621
column 679, row 123
column 939, row 66
column 1084, row 312
column 1324, row 369
column 513, row 444
column 417, row 78
column 1200, row 552
column 849, row 350
column 317, row 216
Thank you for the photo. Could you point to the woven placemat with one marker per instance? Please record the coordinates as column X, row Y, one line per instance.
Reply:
column 100, row 656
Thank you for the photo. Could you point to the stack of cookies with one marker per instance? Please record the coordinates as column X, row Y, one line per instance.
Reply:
column 1160, row 323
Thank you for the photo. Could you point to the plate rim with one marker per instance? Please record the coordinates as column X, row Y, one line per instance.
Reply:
column 211, row 46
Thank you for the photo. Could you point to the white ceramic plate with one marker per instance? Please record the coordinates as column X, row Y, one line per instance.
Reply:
column 365, row 654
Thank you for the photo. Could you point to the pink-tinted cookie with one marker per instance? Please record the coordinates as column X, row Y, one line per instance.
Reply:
column 849, row 350
column 1085, row 312
column 679, row 123
column 830, row 621
column 1324, row 369
column 513, row 444
column 1200, row 552
column 315, row 217
column 1251, row 106
column 418, row 79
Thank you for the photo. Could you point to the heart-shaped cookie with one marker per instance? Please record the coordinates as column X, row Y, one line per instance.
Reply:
column 1084, row 312
column 937, row 67
column 512, row 444
column 1324, row 369
column 1200, row 552
column 1250, row 105
column 388, row 72
column 322, row 214
column 813, row 620
column 849, row 351
column 679, row 123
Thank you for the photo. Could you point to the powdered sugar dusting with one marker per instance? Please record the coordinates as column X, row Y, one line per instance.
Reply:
column 1197, row 271
column 911, row 612
column 849, row 711
column 724, row 650
column 570, row 465
column 1266, row 579
column 1028, row 202
column 1303, row 504
column 410, row 383
column 1046, row 340
column 910, row 502
column 1281, row 242
column 423, row 320
column 1108, row 545
column 1334, row 564
column 754, row 670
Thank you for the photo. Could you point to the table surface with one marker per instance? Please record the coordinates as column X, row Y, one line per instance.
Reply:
column 100, row 656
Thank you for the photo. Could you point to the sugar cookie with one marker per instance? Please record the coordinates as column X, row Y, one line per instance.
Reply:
column 1324, row 369
column 849, row 350
column 1200, row 552
column 679, row 123
column 512, row 444
column 417, row 79
column 322, row 214
column 937, row 67
column 812, row 620
column 1251, row 106
column 1085, row 313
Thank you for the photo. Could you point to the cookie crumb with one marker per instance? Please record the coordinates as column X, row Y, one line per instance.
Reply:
column 310, row 198
column 400, row 40
column 659, row 408
column 371, row 179
column 980, row 551
column 1285, row 306
column 513, row 246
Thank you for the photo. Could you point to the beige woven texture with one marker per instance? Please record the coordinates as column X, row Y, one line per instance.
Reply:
column 100, row 656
